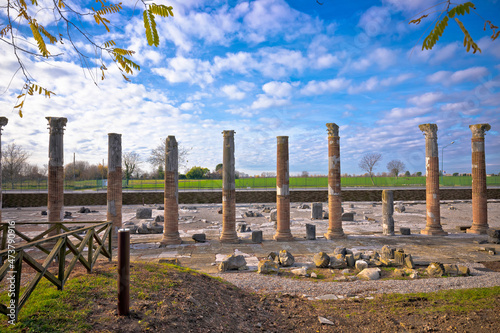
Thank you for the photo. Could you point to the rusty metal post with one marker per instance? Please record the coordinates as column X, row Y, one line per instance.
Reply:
column 114, row 195
column 56, row 170
column 283, row 233
column 433, row 226
column 171, row 194
column 3, row 122
column 123, row 272
column 479, row 192
column 334, row 187
column 228, row 234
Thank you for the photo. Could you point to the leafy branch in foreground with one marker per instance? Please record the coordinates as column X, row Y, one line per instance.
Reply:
column 68, row 23
column 449, row 12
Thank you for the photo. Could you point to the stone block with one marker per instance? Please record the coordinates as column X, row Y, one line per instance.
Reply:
column 435, row 269
column 405, row 231
column 360, row 265
column 144, row 213
column 159, row 218
column 199, row 238
column 267, row 266
column 340, row 250
column 173, row 261
column 387, row 252
column 369, row 274
column 494, row 233
column 317, row 211
column 233, row 262
column 493, row 240
column 257, row 236
column 286, row 258
column 349, row 259
column 310, row 232
column 300, row 271
column 463, row 270
column 274, row 215
column 348, row 217
column 400, row 208
column 399, row 257
column 450, row 269
column 321, row 260
column 409, row 261
column 462, row 228
column 241, row 227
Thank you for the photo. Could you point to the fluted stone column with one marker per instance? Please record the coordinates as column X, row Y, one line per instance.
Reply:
column 387, row 212
column 56, row 170
column 433, row 226
column 228, row 234
column 283, row 232
column 171, row 196
column 3, row 122
column 479, row 197
column 114, row 195
column 334, row 188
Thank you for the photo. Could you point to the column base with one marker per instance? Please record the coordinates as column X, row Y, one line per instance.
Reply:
column 172, row 239
column 335, row 235
column 433, row 232
column 229, row 237
column 479, row 229
column 283, row 236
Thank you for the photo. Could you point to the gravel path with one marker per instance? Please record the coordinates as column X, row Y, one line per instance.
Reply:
column 253, row 282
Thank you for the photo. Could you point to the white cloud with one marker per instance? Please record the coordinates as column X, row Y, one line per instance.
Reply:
column 192, row 71
column 322, row 87
column 375, row 21
column 427, row 99
column 450, row 78
column 381, row 57
column 278, row 89
column 374, row 83
column 233, row 92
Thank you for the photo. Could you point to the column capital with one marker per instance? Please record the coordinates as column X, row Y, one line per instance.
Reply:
column 3, row 122
column 56, row 124
column 479, row 130
column 332, row 129
column 228, row 133
column 430, row 130
column 170, row 141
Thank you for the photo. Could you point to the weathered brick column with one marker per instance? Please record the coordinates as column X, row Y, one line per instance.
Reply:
column 228, row 234
column 479, row 197
column 56, row 170
column 171, row 194
column 3, row 122
column 387, row 212
column 114, row 195
column 283, row 233
column 433, row 226
column 334, row 187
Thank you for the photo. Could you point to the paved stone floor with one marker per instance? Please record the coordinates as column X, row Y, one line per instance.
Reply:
column 364, row 233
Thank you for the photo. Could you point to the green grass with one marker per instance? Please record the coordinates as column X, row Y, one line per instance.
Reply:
column 295, row 182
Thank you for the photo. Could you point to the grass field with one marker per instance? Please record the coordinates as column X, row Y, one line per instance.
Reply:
column 251, row 183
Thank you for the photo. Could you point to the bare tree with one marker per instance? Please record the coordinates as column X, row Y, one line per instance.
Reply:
column 14, row 159
column 157, row 157
column 368, row 163
column 395, row 167
column 131, row 161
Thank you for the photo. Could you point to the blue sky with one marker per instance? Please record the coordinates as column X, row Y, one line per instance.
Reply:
column 269, row 68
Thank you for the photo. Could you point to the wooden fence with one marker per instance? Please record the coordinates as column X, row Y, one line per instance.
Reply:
column 95, row 239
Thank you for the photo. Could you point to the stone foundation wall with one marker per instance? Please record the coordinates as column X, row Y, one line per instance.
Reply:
column 134, row 198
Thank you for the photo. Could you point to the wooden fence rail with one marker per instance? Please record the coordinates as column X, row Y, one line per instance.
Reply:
column 96, row 239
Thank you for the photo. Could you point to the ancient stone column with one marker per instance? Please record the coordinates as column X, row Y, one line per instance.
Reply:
column 433, row 226
column 171, row 194
column 55, row 203
column 283, row 232
column 387, row 212
column 479, row 197
column 114, row 196
column 3, row 122
column 228, row 234
column 334, row 188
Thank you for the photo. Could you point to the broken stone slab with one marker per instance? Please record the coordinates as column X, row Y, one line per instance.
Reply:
column 317, row 211
column 144, row 213
column 274, row 215
column 324, row 321
column 337, row 261
column 321, row 260
column 450, row 269
column 199, row 238
column 257, row 236
column 493, row 240
column 369, row 274
column 241, row 227
column 463, row 270
column 84, row 210
column 349, row 259
column 398, row 273
column 348, row 216
column 400, row 208
column 300, row 271
column 303, row 206
column 360, row 265
column 435, row 269
column 67, row 215
column 340, row 250
column 310, row 231
column 494, row 233
column 399, row 257
column 267, row 266
column 233, row 262
column 160, row 218
column 387, row 252
column 409, row 261
column 405, row 231
column 286, row 259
